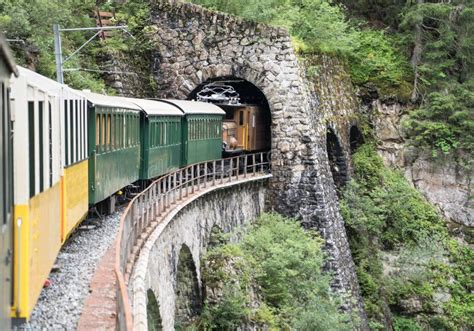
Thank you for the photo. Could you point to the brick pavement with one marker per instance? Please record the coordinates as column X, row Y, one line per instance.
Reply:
column 99, row 311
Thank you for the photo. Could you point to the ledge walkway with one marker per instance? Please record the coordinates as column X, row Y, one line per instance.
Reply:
column 108, row 306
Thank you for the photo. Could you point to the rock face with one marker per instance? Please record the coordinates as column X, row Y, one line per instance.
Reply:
column 191, row 45
column 443, row 182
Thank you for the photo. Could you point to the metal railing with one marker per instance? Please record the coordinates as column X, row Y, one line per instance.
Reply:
column 140, row 216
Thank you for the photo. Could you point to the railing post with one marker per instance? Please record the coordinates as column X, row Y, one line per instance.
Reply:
column 231, row 169
column 187, row 181
column 245, row 166
column 193, row 172
column 181, row 184
column 214, row 173
column 253, row 164
column 205, row 175
column 222, row 171
column 174, row 187
column 238, row 167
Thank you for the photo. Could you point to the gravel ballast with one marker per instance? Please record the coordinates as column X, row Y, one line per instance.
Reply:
column 59, row 305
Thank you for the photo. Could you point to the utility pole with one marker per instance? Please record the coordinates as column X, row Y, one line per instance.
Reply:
column 58, row 54
column 57, row 44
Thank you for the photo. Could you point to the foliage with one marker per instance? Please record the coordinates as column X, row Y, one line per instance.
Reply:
column 376, row 64
column 31, row 23
column 402, row 250
column 444, row 121
column 319, row 24
column 282, row 263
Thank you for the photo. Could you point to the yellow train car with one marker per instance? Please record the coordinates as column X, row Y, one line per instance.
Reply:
column 50, row 174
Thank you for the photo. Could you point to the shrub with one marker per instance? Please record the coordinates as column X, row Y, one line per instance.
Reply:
column 282, row 263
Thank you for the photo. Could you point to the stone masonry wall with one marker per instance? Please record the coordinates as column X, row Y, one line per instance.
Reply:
column 190, row 228
column 193, row 45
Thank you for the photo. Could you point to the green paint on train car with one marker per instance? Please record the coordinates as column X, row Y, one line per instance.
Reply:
column 114, row 151
column 161, row 145
column 202, row 136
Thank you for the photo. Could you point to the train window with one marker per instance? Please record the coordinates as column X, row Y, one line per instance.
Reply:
column 125, row 130
column 97, row 132
column 71, row 132
column 66, row 133
column 50, row 138
column 41, row 145
column 119, row 131
column 76, row 128
column 241, row 118
column 102, row 132
column 31, row 142
column 112, row 130
column 109, row 131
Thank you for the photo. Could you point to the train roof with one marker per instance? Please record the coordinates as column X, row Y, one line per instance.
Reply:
column 156, row 107
column 7, row 55
column 109, row 101
column 195, row 107
column 41, row 82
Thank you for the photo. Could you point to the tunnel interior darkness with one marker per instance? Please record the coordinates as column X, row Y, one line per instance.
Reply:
column 355, row 138
column 337, row 161
column 249, row 95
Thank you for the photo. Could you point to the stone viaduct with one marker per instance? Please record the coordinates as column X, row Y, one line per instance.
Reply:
column 191, row 46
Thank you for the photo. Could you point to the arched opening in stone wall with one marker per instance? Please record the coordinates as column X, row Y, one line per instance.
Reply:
column 188, row 296
column 355, row 138
column 337, row 161
column 153, row 312
column 247, row 123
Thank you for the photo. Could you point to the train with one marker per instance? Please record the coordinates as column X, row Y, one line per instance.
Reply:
column 7, row 69
column 66, row 152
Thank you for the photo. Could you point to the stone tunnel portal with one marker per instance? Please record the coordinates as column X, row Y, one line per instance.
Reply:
column 247, row 123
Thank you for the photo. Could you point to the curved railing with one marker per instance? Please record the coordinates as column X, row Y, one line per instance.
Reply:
column 140, row 217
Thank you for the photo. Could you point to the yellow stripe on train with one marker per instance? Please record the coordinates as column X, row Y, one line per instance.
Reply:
column 74, row 199
column 37, row 243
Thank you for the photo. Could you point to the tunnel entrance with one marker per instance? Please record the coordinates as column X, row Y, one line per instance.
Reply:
column 247, row 123
column 355, row 138
column 188, row 296
column 337, row 161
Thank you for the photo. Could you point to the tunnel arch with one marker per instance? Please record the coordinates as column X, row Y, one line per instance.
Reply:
column 188, row 294
column 250, row 112
column 337, row 160
column 153, row 312
column 356, row 139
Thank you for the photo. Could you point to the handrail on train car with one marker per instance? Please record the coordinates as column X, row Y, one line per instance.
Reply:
column 157, row 199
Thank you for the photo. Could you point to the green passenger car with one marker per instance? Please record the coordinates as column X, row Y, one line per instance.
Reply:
column 201, row 131
column 161, row 137
column 114, row 145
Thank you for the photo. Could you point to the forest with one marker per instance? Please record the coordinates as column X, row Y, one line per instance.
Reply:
column 418, row 53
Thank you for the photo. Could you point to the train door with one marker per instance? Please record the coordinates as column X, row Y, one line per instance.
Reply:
column 242, row 120
column 6, row 203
